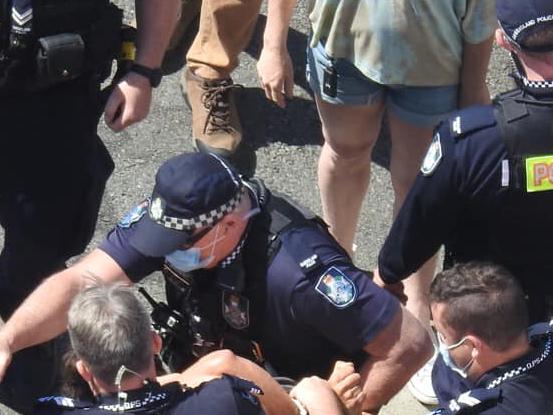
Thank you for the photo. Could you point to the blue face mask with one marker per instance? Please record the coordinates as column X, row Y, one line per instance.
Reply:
column 444, row 349
column 187, row 260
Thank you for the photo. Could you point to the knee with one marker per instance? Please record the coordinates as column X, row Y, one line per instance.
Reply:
column 356, row 152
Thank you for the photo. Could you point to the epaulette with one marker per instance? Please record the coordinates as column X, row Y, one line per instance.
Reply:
column 540, row 329
column 62, row 402
column 470, row 120
column 474, row 401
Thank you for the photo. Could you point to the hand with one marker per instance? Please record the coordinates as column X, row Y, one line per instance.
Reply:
column 346, row 384
column 317, row 396
column 5, row 356
column 276, row 74
column 396, row 289
column 129, row 102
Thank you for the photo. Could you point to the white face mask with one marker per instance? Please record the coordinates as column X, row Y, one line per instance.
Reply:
column 444, row 349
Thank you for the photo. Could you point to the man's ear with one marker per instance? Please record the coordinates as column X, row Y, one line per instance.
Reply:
column 83, row 370
column 478, row 345
column 157, row 343
column 503, row 41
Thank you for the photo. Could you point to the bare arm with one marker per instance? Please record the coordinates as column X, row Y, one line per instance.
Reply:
column 130, row 100
column 473, row 89
column 275, row 400
column 274, row 68
column 396, row 354
column 43, row 315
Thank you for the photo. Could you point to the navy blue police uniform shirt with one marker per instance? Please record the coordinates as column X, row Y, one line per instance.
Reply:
column 227, row 395
column 461, row 199
column 523, row 386
column 306, row 313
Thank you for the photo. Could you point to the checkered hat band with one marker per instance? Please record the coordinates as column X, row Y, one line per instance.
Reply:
column 205, row 219
column 537, row 84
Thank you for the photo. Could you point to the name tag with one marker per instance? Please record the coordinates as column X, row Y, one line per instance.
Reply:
column 539, row 173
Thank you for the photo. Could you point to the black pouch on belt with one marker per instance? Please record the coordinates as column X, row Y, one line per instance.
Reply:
column 60, row 58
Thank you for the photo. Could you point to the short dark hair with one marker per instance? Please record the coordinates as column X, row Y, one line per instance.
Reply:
column 483, row 299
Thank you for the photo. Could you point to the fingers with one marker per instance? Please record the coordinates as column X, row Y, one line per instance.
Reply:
column 346, row 384
column 128, row 103
column 340, row 371
column 114, row 110
column 5, row 358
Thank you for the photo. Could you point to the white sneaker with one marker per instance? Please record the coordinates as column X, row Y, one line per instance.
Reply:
column 420, row 385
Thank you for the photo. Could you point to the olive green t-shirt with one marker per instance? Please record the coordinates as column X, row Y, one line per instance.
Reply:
column 403, row 42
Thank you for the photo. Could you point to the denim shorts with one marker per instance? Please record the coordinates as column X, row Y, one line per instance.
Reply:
column 419, row 106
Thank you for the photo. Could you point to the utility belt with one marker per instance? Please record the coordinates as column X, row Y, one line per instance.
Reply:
column 60, row 47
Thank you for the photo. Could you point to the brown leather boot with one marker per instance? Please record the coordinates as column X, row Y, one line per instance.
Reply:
column 215, row 122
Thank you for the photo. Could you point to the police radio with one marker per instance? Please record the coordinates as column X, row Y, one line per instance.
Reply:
column 185, row 337
column 165, row 320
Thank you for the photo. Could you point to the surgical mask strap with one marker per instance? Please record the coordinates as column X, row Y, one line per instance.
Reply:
column 121, row 395
column 446, row 355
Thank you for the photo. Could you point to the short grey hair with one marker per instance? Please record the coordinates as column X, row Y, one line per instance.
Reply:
column 108, row 328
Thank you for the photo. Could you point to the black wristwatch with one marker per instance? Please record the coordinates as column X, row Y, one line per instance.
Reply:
column 153, row 75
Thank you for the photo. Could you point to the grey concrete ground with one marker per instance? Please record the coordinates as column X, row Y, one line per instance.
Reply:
column 287, row 144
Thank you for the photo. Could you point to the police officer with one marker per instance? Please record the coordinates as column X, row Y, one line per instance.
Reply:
column 53, row 166
column 490, row 361
column 247, row 270
column 485, row 186
column 120, row 373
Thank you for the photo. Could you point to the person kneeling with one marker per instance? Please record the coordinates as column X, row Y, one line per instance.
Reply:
column 490, row 361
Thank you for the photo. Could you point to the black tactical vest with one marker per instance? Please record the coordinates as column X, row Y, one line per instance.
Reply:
column 523, row 224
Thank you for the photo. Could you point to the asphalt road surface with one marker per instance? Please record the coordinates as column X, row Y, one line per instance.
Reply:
column 287, row 144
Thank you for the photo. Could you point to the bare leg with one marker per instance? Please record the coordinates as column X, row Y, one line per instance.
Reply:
column 350, row 133
column 409, row 145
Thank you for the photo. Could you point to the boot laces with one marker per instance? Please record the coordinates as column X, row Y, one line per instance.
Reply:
column 216, row 101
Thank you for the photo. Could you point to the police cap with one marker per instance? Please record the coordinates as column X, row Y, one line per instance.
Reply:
column 192, row 191
column 519, row 19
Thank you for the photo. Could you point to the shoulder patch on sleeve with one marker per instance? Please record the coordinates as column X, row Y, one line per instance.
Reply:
column 433, row 156
column 336, row 288
column 134, row 215
column 469, row 401
column 471, row 119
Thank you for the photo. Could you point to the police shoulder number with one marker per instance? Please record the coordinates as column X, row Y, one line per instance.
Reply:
column 433, row 156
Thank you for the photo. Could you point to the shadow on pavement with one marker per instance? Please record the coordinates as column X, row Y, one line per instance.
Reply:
column 265, row 123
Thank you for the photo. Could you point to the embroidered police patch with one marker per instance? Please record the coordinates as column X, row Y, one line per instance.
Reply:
column 236, row 310
column 156, row 208
column 433, row 156
column 134, row 215
column 336, row 288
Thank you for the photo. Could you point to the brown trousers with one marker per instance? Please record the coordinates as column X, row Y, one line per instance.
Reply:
column 226, row 27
